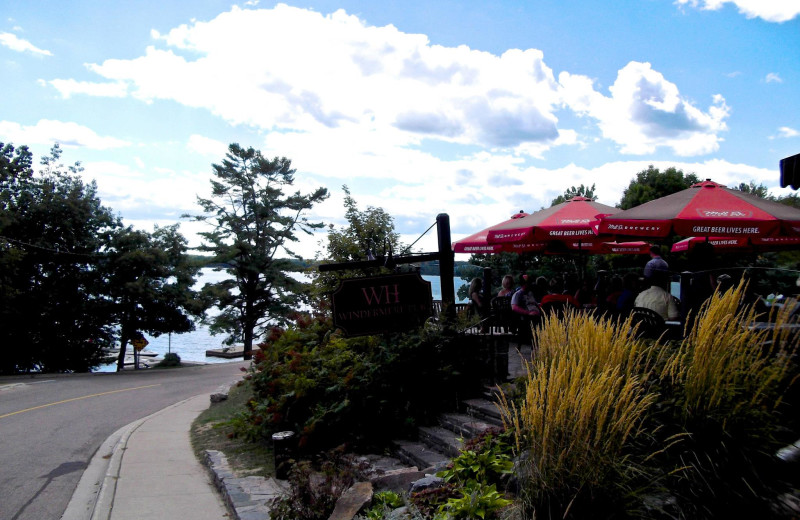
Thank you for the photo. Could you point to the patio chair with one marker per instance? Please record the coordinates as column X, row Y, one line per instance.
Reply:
column 651, row 324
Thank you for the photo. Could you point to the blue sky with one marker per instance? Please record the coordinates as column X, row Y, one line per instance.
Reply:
column 475, row 109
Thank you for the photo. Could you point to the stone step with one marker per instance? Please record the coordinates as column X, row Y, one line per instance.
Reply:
column 442, row 440
column 418, row 454
column 484, row 410
column 464, row 425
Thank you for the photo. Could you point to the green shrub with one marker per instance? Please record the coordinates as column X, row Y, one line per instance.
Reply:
column 331, row 389
column 171, row 359
column 485, row 459
column 477, row 500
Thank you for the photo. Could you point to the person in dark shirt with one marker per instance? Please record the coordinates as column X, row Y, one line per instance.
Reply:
column 629, row 292
column 656, row 263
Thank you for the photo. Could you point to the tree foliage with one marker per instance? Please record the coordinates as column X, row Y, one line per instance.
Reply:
column 149, row 278
column 53, row 228
column 368, row 232
column 572, row 191
column 651, row 184
column 253, row 219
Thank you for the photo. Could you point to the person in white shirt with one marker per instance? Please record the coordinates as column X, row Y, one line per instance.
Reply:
column 658, row 299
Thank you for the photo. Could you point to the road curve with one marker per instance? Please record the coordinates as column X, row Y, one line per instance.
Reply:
column 50, row 426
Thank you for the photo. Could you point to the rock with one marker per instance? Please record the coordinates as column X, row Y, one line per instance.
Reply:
column 401, row 513
column 217, row 398
column 351, row 501
column 426, row 483
column 397, row 480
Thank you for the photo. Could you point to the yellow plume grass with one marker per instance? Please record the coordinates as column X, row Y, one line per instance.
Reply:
column 585, row 396
column 724, row 364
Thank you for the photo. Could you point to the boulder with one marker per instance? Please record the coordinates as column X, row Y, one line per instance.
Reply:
column 352, row 501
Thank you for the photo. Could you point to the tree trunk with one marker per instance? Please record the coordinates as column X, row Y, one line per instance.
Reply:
column 248, row 342
column 123, row 342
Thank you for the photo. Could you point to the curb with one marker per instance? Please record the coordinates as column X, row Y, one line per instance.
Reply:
column 94, row 496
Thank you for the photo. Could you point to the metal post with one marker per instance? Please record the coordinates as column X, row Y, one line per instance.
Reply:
column 686, row 294
column 283, row 451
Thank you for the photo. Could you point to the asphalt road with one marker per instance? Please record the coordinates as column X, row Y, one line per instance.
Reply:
column 50, row 426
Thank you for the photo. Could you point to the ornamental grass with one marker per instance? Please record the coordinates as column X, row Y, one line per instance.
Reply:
column 586, row 395
column 727, row 367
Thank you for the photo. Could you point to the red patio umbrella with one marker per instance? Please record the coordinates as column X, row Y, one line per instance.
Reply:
column 739, row 244
column 570, row 220
column 476, row 243
column 705, row 209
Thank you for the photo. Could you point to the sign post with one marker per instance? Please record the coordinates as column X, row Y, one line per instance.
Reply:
column 138, row 345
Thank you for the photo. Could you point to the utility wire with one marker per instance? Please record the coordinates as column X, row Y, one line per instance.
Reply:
column 418, row 239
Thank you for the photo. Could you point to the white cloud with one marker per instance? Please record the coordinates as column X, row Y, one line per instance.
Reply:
column 787, row 132
column 67, row 134
column 13, row 42
column 645, row 112
column 769, row 10
column 773, row 77
column 69, row 87
column 340, row 73
column 207, row 146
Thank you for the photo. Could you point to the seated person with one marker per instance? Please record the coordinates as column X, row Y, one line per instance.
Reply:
column 585, row 295
column 657, row 298
column 508, row 286
column 541, row 288
column 630, row 289
column 524, row 302
column 556, row 295
column 614, row 292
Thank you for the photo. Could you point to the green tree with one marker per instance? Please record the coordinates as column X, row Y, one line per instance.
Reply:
column 368, row 232
column 758, row 190
column 252, row 221
column 651, row 184
column 149, row 280
column 572, row 191
column 53, row 228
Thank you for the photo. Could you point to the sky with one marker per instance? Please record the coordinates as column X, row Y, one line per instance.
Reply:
column 474, row 109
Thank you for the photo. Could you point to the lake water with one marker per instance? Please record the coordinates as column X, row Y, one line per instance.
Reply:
column 192, row 346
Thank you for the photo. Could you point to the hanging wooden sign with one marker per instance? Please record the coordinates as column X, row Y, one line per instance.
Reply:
column 378, row 304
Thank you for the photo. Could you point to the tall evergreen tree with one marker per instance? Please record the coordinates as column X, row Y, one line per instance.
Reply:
column 252, row 221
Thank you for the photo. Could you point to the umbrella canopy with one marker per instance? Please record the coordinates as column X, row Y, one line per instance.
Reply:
column 705, row 209
column 477, row 243
column 739, row 244
column 570, row 220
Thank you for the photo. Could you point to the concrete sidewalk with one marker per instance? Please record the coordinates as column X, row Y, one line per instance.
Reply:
column 147, row 469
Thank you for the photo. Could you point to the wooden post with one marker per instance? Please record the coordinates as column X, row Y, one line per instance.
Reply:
column 446, row 261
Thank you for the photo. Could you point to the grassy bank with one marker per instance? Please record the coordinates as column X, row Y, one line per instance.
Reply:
column 213, row 430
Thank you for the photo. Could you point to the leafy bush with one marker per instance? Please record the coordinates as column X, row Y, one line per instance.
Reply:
column 487, row 458
column 171, row 359
column 477, row 500
column 332, row 389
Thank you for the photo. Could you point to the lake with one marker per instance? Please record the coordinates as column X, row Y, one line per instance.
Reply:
column 192, row 346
